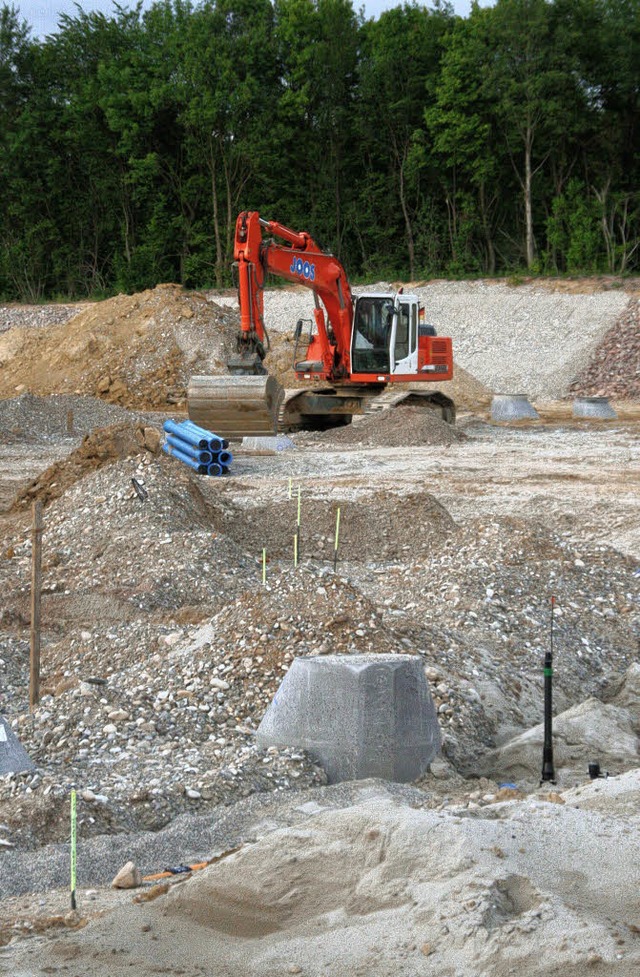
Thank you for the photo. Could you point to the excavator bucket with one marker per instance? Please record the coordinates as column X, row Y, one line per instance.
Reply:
column 235, row 406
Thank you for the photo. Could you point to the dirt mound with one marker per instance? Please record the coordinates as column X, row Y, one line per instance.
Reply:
column 134, row 350
column 366, row 532
column 99, row 448
column 465, row 390
column 614, row 370
column 399, row 427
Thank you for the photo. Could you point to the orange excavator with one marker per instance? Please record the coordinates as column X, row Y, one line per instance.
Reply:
column 350, row 351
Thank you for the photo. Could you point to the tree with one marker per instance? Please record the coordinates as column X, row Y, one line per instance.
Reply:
column 530, row 81
column 462, row 125
column 401, row 55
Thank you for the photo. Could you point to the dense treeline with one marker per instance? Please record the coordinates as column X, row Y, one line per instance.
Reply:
column 419, row 144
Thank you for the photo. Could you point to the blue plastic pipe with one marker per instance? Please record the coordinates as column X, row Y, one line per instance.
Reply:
column 224, row 458
column 184, row 432
column 188, row 449
column 215, row 469
column 216, row 443
column 191, row 462
column 209, row 435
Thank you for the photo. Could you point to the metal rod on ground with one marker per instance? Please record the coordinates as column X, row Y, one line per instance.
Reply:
column 36, row 590
column 264, row 567
column 335, row 546
column 295, row 550
column 73, row 849
column 548, row 772
column 298, row 521
column 69, row 422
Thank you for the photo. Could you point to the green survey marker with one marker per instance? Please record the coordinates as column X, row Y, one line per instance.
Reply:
column 73, row 849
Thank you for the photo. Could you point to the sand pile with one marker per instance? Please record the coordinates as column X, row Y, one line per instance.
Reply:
column 379, row 888
column 133, row 350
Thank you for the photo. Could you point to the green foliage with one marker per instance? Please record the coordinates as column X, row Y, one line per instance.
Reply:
column 418, row 144
column 574, row 233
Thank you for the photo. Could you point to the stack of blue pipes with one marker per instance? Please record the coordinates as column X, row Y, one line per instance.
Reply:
column 201, row 450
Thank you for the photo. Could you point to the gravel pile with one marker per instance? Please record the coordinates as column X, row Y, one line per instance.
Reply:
column 101, row 447
column 163, row 648
column 614, row 370
column 513, row 338
column 521, row 339
column 398, row 427
column 32, row 418
column 479, row 611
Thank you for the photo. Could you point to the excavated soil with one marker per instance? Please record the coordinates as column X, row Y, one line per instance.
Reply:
column 132, row 350
column 102, row 447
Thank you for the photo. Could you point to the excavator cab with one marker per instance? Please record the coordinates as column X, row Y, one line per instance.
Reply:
column 385, row 335
column 372, row 333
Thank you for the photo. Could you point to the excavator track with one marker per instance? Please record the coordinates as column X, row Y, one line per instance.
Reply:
column 235, row 406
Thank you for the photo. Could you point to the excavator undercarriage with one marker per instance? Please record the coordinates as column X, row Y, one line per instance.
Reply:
column 250, row 406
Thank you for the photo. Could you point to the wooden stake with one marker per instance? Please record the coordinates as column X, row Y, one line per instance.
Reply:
column 36, row 589
column 335, row 547
column 69, row 422
column 289, row 488
column 264, row 567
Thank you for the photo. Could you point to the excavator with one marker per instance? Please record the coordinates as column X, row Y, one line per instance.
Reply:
column 351, row 351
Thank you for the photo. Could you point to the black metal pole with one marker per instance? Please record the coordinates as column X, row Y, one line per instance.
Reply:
column 548, row 772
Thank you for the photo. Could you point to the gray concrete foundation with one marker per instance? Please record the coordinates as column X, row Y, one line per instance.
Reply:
column 13, row 756
column 272, row 444
column 357, row 715
column 512, row 407
column 597, row 407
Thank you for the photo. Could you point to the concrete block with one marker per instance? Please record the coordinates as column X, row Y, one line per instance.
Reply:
column 357, row 715
column 13, row 756
column 512, row 407
column 597, row 407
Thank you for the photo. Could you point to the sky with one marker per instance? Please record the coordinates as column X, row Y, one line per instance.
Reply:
column 43, row 15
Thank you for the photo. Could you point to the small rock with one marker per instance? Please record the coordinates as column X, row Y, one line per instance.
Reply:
column 128, row 877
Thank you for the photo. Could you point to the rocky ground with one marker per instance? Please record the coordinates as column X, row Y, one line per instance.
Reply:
column 162, row 648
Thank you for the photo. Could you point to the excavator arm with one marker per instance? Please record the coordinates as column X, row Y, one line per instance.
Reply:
column 301, row 261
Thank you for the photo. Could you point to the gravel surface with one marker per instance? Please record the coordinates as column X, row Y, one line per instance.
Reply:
column 161, row 646
column 36, row 316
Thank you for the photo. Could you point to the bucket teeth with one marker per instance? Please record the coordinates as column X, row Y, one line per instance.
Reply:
column 235, row 406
